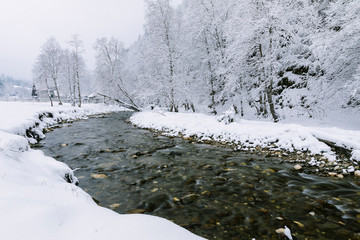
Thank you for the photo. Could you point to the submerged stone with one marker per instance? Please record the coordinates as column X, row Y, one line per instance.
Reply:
column 98, row 175
column 190, row 198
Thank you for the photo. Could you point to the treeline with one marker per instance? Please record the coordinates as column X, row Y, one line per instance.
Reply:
column 271, row 58
column 58, row 71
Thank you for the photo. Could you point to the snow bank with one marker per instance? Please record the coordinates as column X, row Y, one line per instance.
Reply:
column 17, row 117
column 249, row 134
column 36, row 200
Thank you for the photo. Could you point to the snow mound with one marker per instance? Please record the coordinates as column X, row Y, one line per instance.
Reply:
column 13, row 143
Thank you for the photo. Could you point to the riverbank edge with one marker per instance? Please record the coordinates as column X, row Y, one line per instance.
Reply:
column 15, row 143
column 45, row 121
column 303, row 161
column 37, row 131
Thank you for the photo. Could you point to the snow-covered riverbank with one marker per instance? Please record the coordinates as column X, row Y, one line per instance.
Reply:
column 38, row 202
column 250, row 135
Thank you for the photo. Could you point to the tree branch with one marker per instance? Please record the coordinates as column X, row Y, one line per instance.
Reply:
column 130, row 106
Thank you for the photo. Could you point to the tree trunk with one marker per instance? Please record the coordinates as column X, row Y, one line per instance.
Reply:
column 78, row 87
column 121, row 102
column 72, row 93
column 212, row 78
column 241, row 97
column 173, row 106
column 271, row 104
column 57, row 90
column 48, row 92
column 127, row 95
column 269, row 88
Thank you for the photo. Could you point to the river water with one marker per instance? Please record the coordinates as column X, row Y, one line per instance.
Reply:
column 212, row 191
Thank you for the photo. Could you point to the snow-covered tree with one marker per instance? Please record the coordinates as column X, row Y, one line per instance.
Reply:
column 338, row 48
column 160, row 28
column 78, row 64
column 48, row 65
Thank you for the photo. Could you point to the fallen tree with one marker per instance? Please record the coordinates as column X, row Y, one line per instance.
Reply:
column 132, row 106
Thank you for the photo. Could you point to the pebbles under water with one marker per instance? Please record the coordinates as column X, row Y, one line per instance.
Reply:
column 212, row 191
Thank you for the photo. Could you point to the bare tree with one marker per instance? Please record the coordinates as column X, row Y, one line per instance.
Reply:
column 51, row 58
column 41, row 75
column 78, row 62
column 109, row 61
column 69, row 76
column 48, row 65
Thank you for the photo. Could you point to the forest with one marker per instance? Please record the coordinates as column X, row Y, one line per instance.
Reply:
column 273, row 59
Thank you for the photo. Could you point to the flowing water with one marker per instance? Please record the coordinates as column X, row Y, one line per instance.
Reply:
column 212, row 191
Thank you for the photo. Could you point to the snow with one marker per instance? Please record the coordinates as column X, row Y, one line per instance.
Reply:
column 252, row 133
column 37, row 203
column 16, row 117
column 287, row 233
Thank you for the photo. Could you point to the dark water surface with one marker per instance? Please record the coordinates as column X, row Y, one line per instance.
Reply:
column 212, row 191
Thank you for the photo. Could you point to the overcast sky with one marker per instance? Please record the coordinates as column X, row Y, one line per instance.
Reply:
column 26, row 24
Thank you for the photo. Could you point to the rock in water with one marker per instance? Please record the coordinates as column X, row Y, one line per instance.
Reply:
column 115, row 205
column 190, row 198
column 136, row 211
column 97, row 175
column 357, row 173
column 297, row 167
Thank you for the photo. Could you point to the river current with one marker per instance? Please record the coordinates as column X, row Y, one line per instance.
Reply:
column 212, row 191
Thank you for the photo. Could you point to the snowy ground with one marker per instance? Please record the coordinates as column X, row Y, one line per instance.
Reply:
column 250, row 134
column 37, row 203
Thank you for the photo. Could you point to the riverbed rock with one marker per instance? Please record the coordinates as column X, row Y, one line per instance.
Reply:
column 136, row 211
column 329, row 225
column 206, row 193
column 98, row 175
column 115, row 205
column 208, row 167
column 190, row 198
column 154, row 190
column 190, row 180
column 357, row 173
column 156, row 202
column 297, row 167
column 299, row 224
column 332, row 174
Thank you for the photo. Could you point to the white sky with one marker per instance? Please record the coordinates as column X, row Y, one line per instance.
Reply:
column 26, row 24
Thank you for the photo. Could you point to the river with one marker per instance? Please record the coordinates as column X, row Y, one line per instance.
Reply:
column 212, row 191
